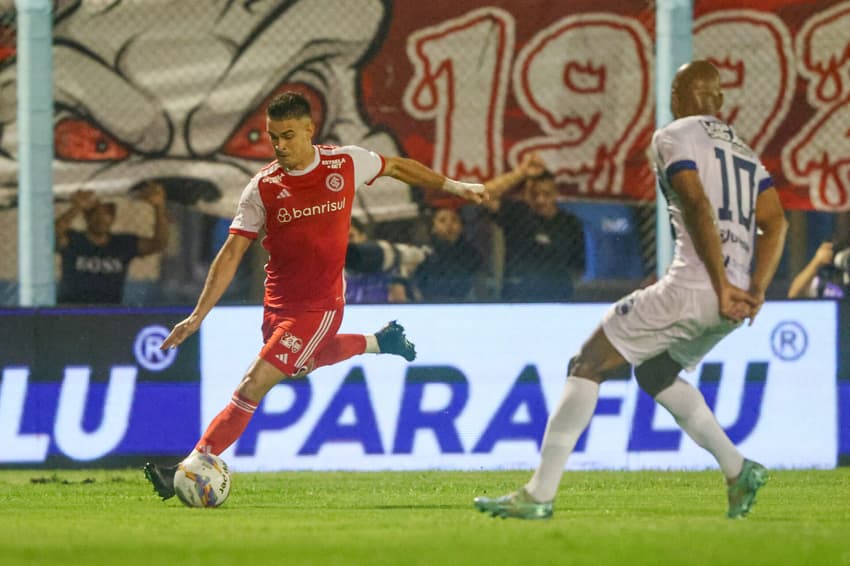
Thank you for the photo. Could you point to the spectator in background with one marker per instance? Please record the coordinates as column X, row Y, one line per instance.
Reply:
column 826, row 276
column 387, row 281
column 95, row 262
column 544, row 245
column 449, row 271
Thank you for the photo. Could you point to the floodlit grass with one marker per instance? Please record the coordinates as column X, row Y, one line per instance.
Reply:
column 112, row 517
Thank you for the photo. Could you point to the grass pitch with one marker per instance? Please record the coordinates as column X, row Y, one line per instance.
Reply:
column 112, row 517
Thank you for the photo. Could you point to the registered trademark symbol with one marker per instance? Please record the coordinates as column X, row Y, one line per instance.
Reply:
column 789, row 341
column 146, row 348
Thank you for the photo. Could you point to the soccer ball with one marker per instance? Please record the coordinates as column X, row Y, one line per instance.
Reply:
column 202, row 480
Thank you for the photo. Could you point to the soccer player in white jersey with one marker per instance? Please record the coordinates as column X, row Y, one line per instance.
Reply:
column 303, row 201
column 719, row 195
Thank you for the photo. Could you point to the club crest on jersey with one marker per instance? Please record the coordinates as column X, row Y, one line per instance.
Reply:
column 335, row 182
column 292, row 342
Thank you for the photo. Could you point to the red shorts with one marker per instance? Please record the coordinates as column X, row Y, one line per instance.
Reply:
column 292, row 338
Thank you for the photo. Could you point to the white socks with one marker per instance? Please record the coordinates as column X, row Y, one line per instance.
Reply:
column 688, row 406
column 575, row 409
column 566, row 423
column 372, row 345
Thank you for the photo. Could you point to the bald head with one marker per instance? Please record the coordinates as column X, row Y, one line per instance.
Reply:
column 696, row 90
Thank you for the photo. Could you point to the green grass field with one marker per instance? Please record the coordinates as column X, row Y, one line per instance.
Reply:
column 112, row 517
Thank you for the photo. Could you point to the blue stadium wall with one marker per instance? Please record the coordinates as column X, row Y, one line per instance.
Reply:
column 90, row 388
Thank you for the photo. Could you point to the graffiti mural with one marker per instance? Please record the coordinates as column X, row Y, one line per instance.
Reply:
column 818, row 156
column 175, row 91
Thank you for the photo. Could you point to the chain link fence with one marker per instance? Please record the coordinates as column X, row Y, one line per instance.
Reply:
column 175, row 91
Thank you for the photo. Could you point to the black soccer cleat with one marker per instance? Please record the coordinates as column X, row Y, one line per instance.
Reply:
column 391, row 340
column 162, row 479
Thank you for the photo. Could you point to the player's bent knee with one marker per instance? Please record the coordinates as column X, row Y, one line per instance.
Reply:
column 585, row 367
column 657, row 374
column 261, row 377
column 571, row 365
column 251, row 390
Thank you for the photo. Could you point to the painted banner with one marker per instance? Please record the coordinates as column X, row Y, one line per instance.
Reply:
column 175, row 90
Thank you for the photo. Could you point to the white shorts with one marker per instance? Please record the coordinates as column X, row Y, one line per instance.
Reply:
column 664, row 317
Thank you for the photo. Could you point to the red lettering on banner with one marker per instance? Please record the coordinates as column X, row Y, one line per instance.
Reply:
column 818, row 156
column 466, row 87
column 758, row 84
column 460, row 81
column 591, row 103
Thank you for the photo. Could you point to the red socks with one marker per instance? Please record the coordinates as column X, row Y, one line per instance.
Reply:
column 339, row 348
column 227, row 426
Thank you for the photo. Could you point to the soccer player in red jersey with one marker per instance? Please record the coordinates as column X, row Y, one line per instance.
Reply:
column 303, row 200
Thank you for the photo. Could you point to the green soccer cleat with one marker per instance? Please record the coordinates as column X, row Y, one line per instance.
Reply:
column 517, row 505
column 742, row 493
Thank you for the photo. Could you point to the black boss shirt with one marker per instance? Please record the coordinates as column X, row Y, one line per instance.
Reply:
column 95, row 274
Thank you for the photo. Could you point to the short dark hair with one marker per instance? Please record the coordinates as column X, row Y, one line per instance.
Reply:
column 543, row 178
column 110, row 207
column 289, row 104
column 450, row 208
column 544, row 175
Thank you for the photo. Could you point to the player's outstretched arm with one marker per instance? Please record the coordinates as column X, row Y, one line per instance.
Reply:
column 221, row 273
column 770, row 220
column 412, row 172
column 734, row 303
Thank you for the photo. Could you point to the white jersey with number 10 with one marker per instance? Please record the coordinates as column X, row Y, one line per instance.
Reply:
column 732, row 177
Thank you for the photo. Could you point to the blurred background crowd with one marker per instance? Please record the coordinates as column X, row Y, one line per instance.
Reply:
column 156, row 132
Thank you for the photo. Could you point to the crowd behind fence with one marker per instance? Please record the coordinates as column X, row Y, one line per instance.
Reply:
column 139, row 100
column 618, row 255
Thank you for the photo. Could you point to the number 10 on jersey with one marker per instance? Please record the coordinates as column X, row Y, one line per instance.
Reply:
column 744, row 177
